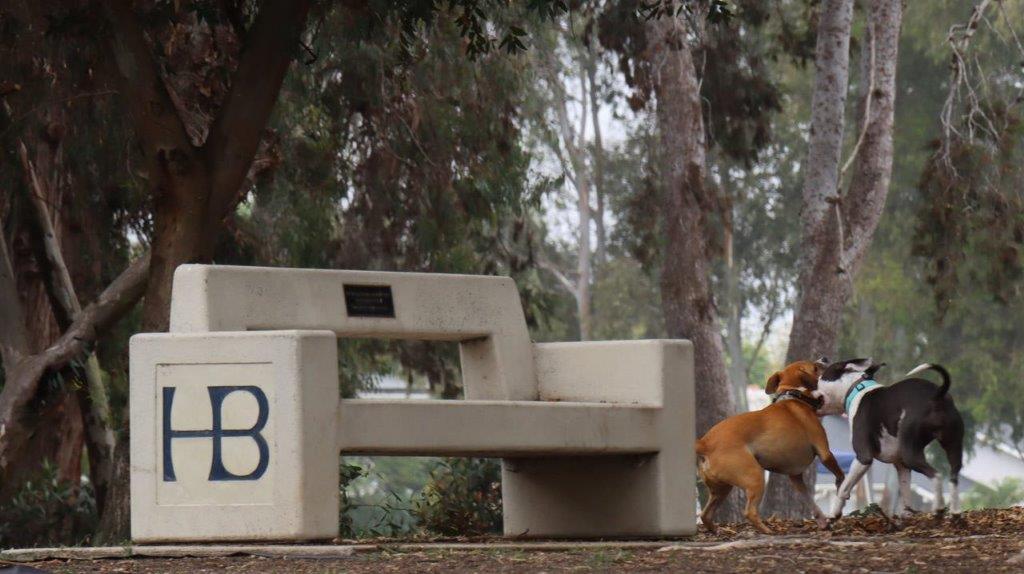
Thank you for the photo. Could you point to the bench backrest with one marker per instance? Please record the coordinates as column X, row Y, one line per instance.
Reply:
column 482, row 313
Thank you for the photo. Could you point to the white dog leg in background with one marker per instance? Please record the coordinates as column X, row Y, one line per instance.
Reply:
column 905, row 495
column 938, row 503
column 857, row 470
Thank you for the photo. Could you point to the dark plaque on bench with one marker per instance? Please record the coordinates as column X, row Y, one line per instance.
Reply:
column 369, row 301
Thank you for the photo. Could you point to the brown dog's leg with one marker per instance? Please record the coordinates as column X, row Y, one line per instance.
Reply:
column 755, row 490
column 717, row 491
column 819, row 440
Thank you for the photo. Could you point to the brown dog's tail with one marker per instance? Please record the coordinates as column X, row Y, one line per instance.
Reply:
column 702, row 459
column 701, row 448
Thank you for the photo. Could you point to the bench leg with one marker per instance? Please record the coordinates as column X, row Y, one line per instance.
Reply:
column 599, row 496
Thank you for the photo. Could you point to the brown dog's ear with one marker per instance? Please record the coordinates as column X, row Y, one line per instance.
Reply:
column 810, row 380
column 773, row 383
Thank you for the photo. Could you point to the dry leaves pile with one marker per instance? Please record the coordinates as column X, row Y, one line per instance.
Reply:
column 919, row 525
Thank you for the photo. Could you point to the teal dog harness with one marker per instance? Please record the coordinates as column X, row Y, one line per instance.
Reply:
column 857, row 389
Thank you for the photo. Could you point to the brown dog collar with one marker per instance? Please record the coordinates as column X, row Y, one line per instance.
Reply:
column 813, row 402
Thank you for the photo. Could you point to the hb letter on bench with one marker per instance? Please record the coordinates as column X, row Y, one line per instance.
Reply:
column 236, row 420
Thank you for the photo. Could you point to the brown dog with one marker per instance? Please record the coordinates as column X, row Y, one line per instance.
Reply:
column 783, row 437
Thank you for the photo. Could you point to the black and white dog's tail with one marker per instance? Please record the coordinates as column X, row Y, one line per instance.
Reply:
column 938, row 369
column 918, row 428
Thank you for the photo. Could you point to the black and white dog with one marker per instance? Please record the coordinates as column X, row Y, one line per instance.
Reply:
column 894, row 424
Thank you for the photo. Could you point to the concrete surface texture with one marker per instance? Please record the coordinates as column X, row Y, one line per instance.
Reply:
column 237, row 423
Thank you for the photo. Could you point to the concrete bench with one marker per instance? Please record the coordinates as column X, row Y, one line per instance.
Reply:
column 237, row 422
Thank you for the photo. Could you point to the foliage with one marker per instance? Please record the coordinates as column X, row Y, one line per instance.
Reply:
column 397, row 163
column 379, row 494
column 760, row 366
column 942, row 280
column 349, row 473
column 626, row 302
column 1003, row 494
column 47, row 512
column 463, row 498
column 971, row 223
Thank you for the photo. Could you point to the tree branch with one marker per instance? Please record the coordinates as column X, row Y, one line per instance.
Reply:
column 869, row 185
column 598, row 171
column 563, row 279
column 64, row 299
column 59, row 279
column 23, row 378
column 868, row 95
column 959, row 39
column 766, row 329
column 561, row 110
column 235, row 134
column 828, row 104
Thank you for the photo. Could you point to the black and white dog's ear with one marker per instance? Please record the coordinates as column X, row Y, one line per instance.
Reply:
column 861, row 365
column 822, row 361
column 873, row 369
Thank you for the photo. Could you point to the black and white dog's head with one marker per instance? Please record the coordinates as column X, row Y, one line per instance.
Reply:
column 836, row 380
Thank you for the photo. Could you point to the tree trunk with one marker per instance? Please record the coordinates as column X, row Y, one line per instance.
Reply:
column 815, row 322
column 601, row 251
column 734, row 322
column 194, row 188
column 688, row 204
column 839, row 229
column 821, row 292
column 583, row 263
column 864, row 202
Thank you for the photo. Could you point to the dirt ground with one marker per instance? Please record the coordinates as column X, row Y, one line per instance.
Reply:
column 980, row 542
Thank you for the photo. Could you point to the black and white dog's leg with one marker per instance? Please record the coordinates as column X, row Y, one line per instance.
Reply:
column 905, row 494
column 952, row 443
column 857, row 470
column 939, row 503
column 954, row 494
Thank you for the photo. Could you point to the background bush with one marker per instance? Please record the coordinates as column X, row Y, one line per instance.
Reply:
column 463, row 498
column 48, row 512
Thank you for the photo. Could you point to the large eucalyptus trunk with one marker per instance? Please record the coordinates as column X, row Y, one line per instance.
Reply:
column 194, row 186
column 688, row 205
column 838, row 227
